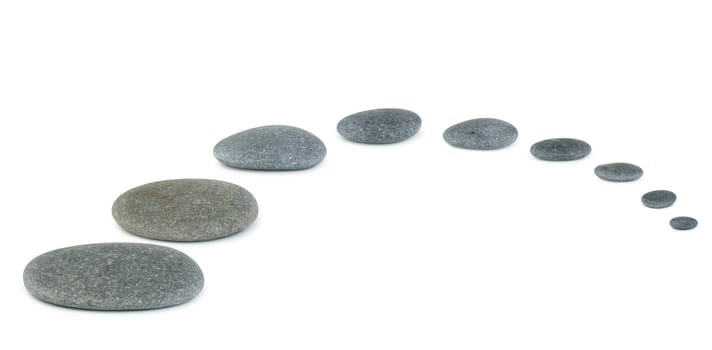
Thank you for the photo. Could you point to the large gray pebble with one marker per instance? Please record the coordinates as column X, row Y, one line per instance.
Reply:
column 481, row 134
column 272, row 147
column 562, row 149
column 659, row 199
column 185, row 210
column 114, row 276
column 619, row 172
column 379, row 126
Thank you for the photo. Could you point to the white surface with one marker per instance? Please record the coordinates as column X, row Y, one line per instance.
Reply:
column 410, row 246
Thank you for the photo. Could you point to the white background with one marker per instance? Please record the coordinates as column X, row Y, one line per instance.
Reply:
column 417, row 245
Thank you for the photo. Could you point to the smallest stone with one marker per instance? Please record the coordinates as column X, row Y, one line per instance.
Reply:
column 659, row 199
column 683, row 223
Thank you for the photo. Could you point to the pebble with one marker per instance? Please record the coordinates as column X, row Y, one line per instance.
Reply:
column 379, row 126
column 683, row 223
column 481, row 134
column 659, row 199
column 272, row 147
column 114, row 276
column 619, row 172
column 185, row 210
column 563, row 149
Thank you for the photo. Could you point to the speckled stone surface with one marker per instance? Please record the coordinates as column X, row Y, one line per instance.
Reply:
column 683, row 223
column 481, row 134
column 563, row 149
column 619, row 172
column 114, row 276
column 379, row 126
column 272, row 147
column 185, row 210
column 659, row 199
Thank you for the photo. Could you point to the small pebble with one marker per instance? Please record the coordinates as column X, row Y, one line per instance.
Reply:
column 659, row 199
column 619, row 172
column 683, row 223
column 185, row 210
column 114, row 276
column 272, row 147
column 481, row 134
column 379, row 126
column 560, row 149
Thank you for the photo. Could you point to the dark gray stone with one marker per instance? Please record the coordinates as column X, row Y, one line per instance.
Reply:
column 379, row 126
column 683, row 223
column 185, row 210
column 272, row 147
column 619, row 172
column 481, row 134
column 114, row 276
column 560, row 149
column 659, row 199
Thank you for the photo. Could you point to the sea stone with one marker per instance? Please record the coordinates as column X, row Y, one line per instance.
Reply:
column 272, row 147
column 683, row 223
column 659, row 199
column 619, row 172
column 481, row 134
column 114, row 276
column 185, row 210
column 560, row 149
column 379, row 126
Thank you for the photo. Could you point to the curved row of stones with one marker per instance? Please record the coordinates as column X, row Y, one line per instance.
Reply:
column 133, row 276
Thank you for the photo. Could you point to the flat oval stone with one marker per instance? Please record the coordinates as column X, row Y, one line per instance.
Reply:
column 379, row 126
column 659, row 199
column 272, row 147
column 683, row 223
column 562, row 149
column 114, row 276
column 481, row 134
column 185, row 210
column 619, row 172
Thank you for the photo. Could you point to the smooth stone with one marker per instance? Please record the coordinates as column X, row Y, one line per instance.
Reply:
column 558, row 150
column 114, row 276
column 659, row 199
column 379, row 126
column 619, row 172
column 481, row 134
column 272, row 147
column 185, row 210
column 683, row 223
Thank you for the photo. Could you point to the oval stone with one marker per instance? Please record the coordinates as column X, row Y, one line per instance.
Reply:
column 185, row 210
column 659, row 199
column 481, row 134
column 379, row 126
column 114, row 276
column 619, row 172
column 683, row 223
column 563, row 149
column 272, row 147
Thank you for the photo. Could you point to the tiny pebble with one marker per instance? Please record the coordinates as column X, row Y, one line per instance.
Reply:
column 481, row 134
column 379, row 126
column 619, row 172
column 563, row 149
column 683, row 223
column 659, row 199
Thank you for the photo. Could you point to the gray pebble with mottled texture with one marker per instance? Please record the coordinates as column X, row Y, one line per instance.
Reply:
column 619, row 172
column 683, row 223
column 114, row 276
column 562, row 149
column 272, row 147
column 185, row 210
column 379, row 126
column 659, row 199
column 481, row 134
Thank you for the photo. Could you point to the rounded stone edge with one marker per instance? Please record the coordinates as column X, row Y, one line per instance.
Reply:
column 253, row 218
column 27, row 270
column 693, row 223
column 674, row 199
column 341, row 125
column 449, row 140
column 587, row 146
column 599, row 167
